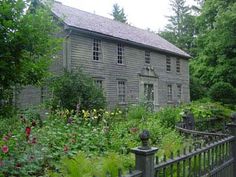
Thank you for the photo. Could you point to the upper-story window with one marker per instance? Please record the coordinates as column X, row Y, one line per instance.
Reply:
column 121, row 91
column 147, row 57
column 169, row 92
column 178, row 65
column 97, row 49
column 120, row 54
column 168, row 64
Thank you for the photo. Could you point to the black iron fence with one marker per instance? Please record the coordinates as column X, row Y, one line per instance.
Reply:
column 213, row 157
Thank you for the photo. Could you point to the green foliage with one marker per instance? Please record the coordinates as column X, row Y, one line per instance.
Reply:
column 137, row 112
column 119, row 14
column 169, row 116
column 71, row 144
column 82, row 166
column 74, row 88
column 215, row 61
column 223, row 92
column 181, row 28
column 197, row 91
column 28, row 44
column 204, row 109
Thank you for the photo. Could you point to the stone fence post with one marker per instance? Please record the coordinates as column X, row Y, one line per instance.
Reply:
column 145, row 156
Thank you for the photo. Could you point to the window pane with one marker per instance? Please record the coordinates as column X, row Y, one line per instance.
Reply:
column 97, row 49
column 178, row 65
column 121, row 91
column 147, row 57
column 168, row 64
column 169, row 92
column 120, row 53
column 179, row 92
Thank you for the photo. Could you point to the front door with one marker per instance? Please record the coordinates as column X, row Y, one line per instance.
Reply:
column 149, row 95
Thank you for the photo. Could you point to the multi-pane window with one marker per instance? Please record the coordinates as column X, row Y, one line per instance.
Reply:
column 169, row 92
column 120, row 54
column 121, row 91
column 149, row 92
column 179, row 91
column 168, row 64
column 178, row 65
column 97, row 50
column 98, row 83
column 44, row 94
column 147, row 57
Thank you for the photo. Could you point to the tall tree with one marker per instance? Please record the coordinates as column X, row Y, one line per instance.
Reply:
column 216, row 43
column 181, row 29
column 119, row 14
column 27, row 41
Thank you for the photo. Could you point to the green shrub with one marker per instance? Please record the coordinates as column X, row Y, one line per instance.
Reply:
column 74, row 88
column 168, row 116
column 197, row 91
column 223, row 92
column 137, row 112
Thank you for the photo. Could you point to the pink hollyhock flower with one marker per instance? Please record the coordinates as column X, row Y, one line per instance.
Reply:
column 5, row 149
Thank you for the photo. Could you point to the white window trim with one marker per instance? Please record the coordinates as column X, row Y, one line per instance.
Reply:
column 118, row 94
column 100, row 54
column 120, row 45
column 145, row 57
column 169, row 94
column 168, row 64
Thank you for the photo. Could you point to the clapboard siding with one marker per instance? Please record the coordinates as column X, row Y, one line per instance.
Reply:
column 78, row 53
column 107, row 68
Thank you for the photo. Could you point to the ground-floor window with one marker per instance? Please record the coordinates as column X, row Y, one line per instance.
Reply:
column 169, row 92
column 179, row 91
column 121, row 91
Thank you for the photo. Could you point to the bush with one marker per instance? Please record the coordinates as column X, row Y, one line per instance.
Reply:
column 75, row 87
column 168, row 116
column 197, row 91
column 137, row 112
column 223, row 92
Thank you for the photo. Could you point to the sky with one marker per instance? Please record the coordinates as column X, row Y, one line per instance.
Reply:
column 145, row 14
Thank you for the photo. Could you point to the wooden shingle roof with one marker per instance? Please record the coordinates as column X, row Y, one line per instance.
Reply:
column 94, row 23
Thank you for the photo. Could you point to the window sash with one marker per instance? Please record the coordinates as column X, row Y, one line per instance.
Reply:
column 98, row 83
column 178, row 65
column 120, row 53
column 179, row 92
column 97, row 50
column 169, row 92
column 147, row 57
column 121, row 91
column 168, row 64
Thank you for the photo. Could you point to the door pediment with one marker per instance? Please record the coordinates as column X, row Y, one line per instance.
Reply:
column 148, row 71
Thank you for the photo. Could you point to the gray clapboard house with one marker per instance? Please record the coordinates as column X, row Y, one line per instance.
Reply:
column 128, row 63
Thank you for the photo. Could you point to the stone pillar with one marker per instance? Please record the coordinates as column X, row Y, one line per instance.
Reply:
column 232, row 128
column 145, row 156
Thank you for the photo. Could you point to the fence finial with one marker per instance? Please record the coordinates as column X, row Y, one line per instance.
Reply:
column 144, row 136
